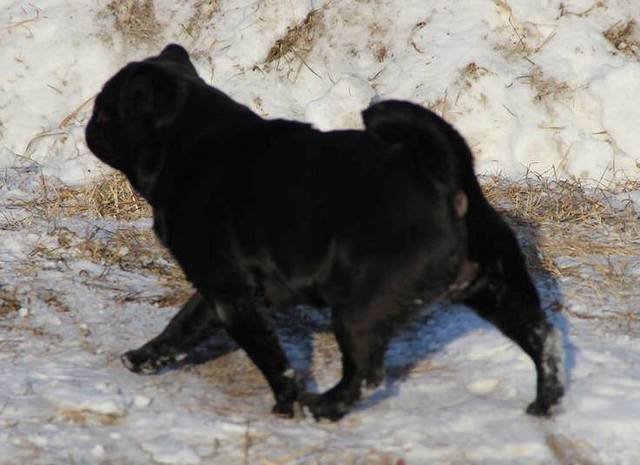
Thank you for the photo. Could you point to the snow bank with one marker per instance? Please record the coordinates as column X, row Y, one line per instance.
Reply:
column 550, row 86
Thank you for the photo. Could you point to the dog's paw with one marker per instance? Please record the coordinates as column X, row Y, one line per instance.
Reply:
column 322, row 407
column 284, row 409
column 547, row 405
column 375, row 377
column 539, row 409
column 146, row 361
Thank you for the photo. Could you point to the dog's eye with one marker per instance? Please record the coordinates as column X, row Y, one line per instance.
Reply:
column 101, row 117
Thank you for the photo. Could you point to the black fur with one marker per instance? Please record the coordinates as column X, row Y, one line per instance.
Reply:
column 267, row 213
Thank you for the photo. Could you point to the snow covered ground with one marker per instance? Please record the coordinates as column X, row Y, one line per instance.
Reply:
column 536, row 86
column 547, row 85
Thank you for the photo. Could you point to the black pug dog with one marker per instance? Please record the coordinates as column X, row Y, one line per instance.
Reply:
column 266, row 213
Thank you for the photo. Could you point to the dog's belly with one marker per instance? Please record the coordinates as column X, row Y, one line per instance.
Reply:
column 279, row 293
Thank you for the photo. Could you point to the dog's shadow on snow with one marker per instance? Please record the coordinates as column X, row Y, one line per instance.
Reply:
column 429, row 333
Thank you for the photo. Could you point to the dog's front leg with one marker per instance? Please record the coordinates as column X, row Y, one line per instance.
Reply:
column 255, row 334
column 190, row 326
column 363, row 335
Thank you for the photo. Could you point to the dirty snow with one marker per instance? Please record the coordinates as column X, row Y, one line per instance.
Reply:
column 535, row 86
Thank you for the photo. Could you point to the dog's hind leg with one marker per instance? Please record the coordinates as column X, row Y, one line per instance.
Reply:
column 255, row 334
column 511, row 302
column 190, row 326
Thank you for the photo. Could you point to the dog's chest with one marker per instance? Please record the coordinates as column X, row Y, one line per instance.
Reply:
column 161, row 227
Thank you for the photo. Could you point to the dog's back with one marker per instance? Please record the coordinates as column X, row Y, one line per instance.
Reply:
column 302, row 208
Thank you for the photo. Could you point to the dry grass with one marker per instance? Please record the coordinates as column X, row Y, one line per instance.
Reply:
column 73, row 116
column 417, row 28
column 124, row 248
column 295, row 46
column 236, row 375
column 203, row 11
column 625, row 37
column 563, row 219
column 380, row 52
column 52, row 299
column 543, row 85
column 524, row 38
column 471, row 74
column 581, row 14
column 560, row 223
column 414, row 370
column 23, row 24
column 128, row 248
column 86, row 417
column 474, row 72
column 325, row 355
column 137, row 250
column 377, row 42
column 298, row 40
column 553, row 219
column 111, row 197
column 543, row 201
column 134, row 19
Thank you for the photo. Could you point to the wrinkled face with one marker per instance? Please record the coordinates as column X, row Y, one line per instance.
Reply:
column 106, row 130
column 135, row 112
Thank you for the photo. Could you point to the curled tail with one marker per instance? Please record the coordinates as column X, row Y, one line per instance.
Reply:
column 440, row 151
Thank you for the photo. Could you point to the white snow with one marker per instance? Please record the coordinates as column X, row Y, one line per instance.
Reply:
column 339, row 107
column 534, row 86
column 165, row 450
column 619, row 94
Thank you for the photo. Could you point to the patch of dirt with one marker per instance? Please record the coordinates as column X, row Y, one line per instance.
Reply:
column 569, row 452
column 9, row 302
column 381, row 52
column 377, row 45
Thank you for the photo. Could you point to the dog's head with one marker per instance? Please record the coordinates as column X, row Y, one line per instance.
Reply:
column 137, row 110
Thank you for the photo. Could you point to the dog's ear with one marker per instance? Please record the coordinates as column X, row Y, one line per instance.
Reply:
column 178, row 54
column 392, row 121
column 152, row 97
column 175, row 52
